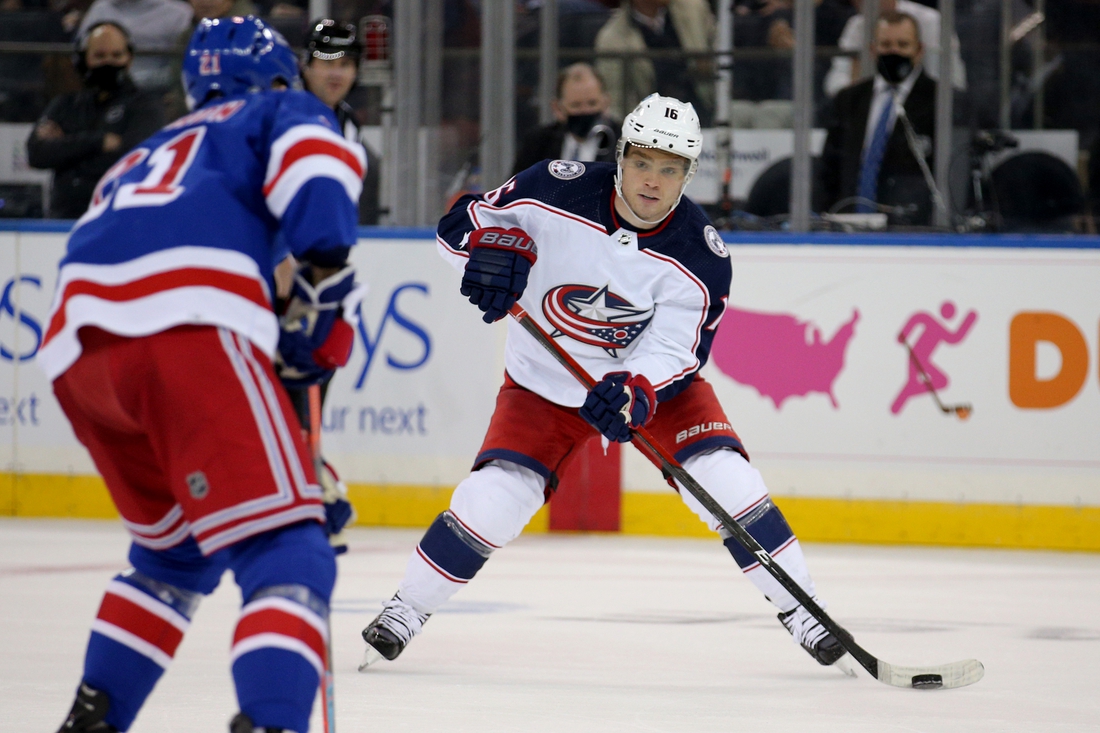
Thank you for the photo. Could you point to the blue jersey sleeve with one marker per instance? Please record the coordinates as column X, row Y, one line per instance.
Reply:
column 313, row 177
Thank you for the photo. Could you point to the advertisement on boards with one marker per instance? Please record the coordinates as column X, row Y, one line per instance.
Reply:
column 410, row 407
column 843, row 369
column 825, row 356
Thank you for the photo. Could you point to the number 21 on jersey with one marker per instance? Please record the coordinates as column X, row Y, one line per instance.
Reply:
column 168, row 165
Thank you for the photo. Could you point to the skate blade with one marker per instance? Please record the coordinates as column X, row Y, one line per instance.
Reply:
column 845, row 666
column 370, row 656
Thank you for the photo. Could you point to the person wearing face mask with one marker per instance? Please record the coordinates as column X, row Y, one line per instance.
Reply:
column 81, row 134
column 869, row 163
column 582, row 131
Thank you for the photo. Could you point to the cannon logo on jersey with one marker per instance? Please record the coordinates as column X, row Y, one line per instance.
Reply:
column 595, row 316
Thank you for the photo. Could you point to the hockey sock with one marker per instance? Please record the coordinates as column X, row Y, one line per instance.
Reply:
column 488, row 510
column 140, row 623
column 286, row 577
column 448, row 556
column 278, row 655
column 769, row 527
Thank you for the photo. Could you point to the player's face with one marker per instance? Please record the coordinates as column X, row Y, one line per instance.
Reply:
column 107, row 45
column 330, row 80
column 652, row 180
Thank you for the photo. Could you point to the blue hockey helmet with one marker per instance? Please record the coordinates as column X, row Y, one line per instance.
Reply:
column 232, row 56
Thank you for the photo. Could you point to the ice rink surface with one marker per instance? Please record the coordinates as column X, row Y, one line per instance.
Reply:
column 573, row 633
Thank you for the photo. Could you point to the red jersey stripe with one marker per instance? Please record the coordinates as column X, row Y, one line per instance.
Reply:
column 313, row 146
column 246, row 287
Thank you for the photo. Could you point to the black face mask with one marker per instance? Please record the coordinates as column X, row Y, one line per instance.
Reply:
column 106, row 78
column 581, row 125
column 894, row 67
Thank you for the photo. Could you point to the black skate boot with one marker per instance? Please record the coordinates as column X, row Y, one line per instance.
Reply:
column 241, row 723
column 89, row 710
column 391, row 631
column 812, row 636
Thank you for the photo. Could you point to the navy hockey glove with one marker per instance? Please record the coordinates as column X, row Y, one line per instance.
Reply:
column 618, row 402
column 496, row 274
column 318, row 327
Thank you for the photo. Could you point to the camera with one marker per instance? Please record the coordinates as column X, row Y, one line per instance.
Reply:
column 992, row 141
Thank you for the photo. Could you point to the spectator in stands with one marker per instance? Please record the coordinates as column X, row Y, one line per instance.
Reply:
column 330, row 68
column 81, row 134
column 661, row 26
column 583, row 130
column 867, row 158
column 155, row 25
column 845, row 70
column 763, row 24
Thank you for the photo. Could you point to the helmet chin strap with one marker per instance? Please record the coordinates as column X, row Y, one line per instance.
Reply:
column 647, row 222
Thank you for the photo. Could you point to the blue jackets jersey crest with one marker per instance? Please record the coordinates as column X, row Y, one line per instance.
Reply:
column 183, row 228
column 616, row 298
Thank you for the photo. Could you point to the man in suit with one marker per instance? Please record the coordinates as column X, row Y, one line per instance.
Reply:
column 583, row 130
column 868, row 159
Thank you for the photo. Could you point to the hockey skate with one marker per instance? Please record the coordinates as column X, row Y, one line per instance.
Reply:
column 241, row 723
column 89, row 710
column 391, row 631
column 818, row 642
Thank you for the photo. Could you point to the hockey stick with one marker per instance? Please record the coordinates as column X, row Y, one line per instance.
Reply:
column 328, row 683
column 962, row 410
column 956, row 674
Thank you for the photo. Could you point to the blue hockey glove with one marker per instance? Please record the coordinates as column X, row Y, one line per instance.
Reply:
column 318, row 327
column 496, row 274
column 618, row 402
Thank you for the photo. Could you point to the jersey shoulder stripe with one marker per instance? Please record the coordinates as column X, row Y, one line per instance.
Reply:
column 309, row 151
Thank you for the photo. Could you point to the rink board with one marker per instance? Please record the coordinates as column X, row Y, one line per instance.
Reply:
column 809, row 373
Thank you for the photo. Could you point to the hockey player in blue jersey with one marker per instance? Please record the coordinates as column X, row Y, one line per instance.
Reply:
column 160, row 346
column 632, row 281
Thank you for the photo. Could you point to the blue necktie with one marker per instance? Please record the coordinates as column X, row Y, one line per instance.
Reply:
column 872, row 159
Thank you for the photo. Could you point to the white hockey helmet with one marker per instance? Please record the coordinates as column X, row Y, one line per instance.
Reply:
column 661, row 123
column 667, row 124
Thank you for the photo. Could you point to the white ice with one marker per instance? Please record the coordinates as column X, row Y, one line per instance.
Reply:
column 574, row 633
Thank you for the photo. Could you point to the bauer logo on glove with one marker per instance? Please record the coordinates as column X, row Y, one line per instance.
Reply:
column 496, row 275
column 318, row 327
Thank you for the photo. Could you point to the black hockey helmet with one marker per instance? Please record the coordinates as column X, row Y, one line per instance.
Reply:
column 330, row 40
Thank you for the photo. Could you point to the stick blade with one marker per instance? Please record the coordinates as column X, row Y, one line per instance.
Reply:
column 945, row 677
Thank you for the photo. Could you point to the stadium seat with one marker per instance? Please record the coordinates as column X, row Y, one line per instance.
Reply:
column 770, row 194
column 1037, row 192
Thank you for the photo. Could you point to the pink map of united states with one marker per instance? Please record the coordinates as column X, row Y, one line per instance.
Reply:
column 779, row 355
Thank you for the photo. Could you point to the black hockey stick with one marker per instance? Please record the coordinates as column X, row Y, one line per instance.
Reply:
column 962, row 411
column 956, row 674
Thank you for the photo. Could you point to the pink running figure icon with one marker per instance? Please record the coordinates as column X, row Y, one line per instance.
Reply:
column 924, row 376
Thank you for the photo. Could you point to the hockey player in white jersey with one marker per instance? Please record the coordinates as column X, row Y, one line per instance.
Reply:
column 632, row 281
